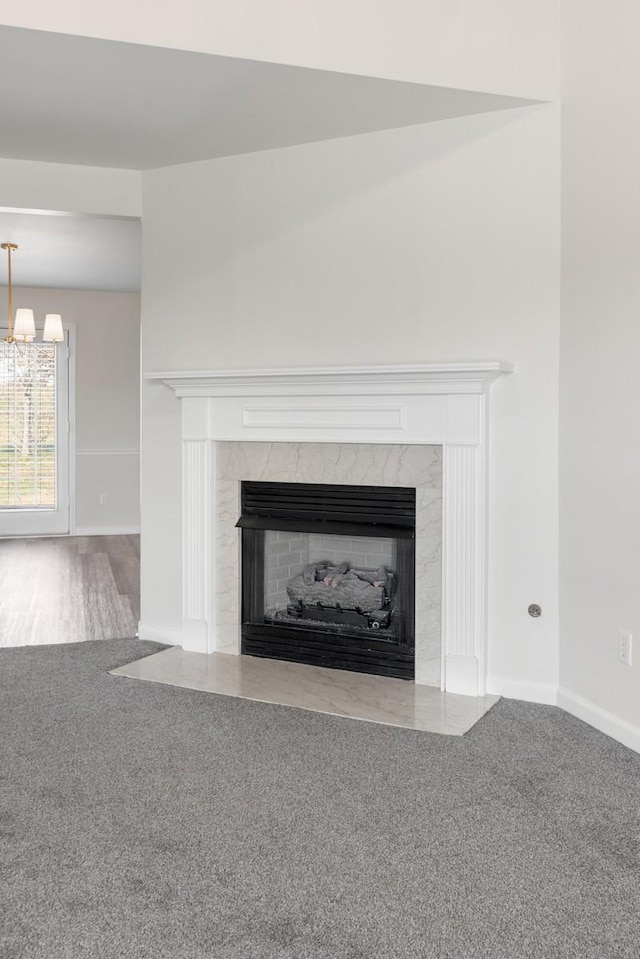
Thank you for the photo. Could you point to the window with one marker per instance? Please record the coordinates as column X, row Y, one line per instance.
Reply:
column 33, row 438
column 28, row 426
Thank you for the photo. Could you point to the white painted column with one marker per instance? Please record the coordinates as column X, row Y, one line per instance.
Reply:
column 198, row 491
column 464, row 586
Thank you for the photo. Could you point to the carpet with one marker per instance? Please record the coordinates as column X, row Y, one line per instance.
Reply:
column 142, row 820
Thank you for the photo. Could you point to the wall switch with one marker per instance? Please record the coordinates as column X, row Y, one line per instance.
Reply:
column 103, row 499
column 625, row 646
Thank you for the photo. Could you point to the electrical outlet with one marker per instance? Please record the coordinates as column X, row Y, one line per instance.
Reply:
column 625, row 646
column 103, row 499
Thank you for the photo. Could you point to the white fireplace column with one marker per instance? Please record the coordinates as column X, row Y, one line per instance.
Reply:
column 443, row 405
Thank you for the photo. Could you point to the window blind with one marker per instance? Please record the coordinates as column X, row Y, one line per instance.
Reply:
column 27, row 426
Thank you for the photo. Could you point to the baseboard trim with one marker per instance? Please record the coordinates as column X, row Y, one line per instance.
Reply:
column 606, row 722
column 105, row 531
column 528, row 692
column 156, row 635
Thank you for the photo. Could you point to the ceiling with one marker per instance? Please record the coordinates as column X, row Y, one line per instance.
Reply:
column 58, row 251
column 97, row 102
column 101, row 103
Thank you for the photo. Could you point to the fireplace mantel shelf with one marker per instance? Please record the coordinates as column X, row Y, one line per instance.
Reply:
column 432, row 378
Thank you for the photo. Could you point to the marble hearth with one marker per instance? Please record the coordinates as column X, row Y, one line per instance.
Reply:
column 418, row 426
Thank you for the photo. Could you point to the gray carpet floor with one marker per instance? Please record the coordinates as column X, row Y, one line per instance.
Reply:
column 142, row 820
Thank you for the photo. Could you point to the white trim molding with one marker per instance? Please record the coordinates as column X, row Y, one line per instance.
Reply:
column 545, row 695
column 107, row 452
column 435, row 404
column 606, row 722
column 106, row 531
column 153, row 634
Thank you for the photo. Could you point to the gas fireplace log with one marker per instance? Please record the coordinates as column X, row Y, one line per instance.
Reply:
column 332, row 586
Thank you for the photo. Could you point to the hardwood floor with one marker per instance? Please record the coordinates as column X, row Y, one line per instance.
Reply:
column 68, row 589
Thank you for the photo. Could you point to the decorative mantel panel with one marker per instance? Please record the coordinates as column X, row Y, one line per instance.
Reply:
column 424, row 405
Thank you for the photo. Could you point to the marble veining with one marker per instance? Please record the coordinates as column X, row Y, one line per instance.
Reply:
column 377, row 699
column 351, row 463
column 227, row 567
column 377, row 464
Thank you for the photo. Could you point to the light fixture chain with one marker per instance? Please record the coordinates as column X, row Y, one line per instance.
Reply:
column 10, row 294
column 9, row 247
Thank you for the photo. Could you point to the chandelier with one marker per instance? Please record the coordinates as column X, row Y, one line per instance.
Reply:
column 23, row 329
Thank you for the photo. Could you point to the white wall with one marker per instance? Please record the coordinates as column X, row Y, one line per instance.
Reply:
column 600, row 386
column 107, row 374
column 438, row 242
column 31, row 185
column 500, row 46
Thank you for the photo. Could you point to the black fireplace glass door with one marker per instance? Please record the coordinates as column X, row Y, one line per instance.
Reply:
column 328, row 575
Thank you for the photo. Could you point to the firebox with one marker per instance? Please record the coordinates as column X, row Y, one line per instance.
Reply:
column 328, row 575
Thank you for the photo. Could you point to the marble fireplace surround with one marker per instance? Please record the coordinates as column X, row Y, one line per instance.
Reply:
column 358, row 464
column 437, row 405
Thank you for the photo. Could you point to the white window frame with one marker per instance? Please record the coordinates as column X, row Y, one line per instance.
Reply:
column 61, row 521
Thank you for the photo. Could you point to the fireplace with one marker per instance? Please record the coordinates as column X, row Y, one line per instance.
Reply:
column 328, row 574
column 413, row 426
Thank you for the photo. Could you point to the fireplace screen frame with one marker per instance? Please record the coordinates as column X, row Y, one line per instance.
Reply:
column 351, row 511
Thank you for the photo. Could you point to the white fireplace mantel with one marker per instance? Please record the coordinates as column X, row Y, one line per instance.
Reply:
column 435, row 404
column 473, row 377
